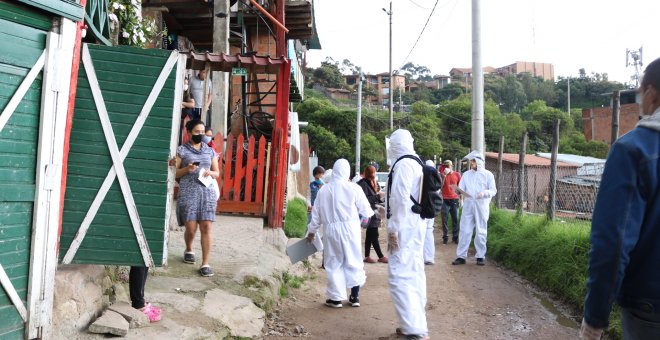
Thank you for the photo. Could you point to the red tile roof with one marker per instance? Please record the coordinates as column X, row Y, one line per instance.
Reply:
column 530, row 160
column 225, row 62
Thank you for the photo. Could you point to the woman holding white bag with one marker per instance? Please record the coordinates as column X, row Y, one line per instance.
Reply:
column 196, row 203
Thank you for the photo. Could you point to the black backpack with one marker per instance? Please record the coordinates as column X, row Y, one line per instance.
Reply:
column 431, row 202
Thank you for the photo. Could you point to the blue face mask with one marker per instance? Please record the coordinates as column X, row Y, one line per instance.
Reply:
column 206, row 139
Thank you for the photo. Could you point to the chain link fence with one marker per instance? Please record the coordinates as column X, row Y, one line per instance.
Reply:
column 529, row 187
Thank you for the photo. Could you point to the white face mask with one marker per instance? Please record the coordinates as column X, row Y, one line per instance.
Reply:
column 185, row 87
column 447, row 171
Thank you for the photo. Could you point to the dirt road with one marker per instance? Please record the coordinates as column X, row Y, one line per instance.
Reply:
column 464, row 302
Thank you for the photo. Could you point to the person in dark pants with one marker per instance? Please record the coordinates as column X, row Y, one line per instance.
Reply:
column 137, row 278
column 450, row 202
column 374, row 196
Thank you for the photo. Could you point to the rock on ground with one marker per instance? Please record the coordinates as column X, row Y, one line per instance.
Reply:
column 135, row 318
column 110, row 322
column 238, row 313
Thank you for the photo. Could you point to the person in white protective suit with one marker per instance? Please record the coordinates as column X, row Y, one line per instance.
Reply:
column 337, row 206
column 406, row 232
column 478, row 187
column 429, row 241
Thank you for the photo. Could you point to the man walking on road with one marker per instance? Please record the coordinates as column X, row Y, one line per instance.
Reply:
column 406, row 231
column 477, row 187
column 336, row 208
column 625, row 229
column 450, row 202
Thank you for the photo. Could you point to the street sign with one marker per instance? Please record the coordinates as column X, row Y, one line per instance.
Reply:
column 238, row 71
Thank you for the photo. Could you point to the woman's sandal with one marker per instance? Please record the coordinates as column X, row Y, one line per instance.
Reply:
column 152, row 313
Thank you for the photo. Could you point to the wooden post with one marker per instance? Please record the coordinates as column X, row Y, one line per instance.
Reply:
column 498, row 197
column 552, row 204
column 521, row 173
column 616, row 110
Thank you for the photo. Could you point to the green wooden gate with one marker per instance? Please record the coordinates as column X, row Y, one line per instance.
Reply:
column 116, row 208
column 23, row 35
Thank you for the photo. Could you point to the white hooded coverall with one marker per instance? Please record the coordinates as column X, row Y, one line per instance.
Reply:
column 429, row 242
column 480, row 185
column 336, row 209
column 406, row 276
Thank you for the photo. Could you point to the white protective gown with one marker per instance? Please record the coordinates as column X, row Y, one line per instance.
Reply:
column 475, row 210
column 406, row 276
column 336, row 209
column 429, row 242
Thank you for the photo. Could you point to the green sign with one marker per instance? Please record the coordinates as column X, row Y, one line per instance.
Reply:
column 238, row 71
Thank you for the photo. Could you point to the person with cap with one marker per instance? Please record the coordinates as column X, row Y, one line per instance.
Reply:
column 450, row 202
column 406, row 232
column 625, row 229
column 477, row 187
column 429, row 241
column 337, row 208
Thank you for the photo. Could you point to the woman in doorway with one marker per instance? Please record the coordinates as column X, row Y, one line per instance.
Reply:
column 374, row 196
column 196, row 202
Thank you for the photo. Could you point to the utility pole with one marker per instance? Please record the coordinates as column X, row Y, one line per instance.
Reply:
column 616, row 111
column 477, row 81
column 400, row 103
column 391, row 103
column 568, row 96
column 553, row 171
column 358, row 131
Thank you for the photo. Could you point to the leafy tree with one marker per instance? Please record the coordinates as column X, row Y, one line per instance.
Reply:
column 371, row 149
column 449, row 92
column 540, row 120
column 425, row 129
column 576, row 144
column 328, row 75
column 327, row 145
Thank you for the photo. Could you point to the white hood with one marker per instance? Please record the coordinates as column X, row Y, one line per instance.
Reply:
column 478, row 157
column 430, row 163
column 341, row 171
column 652, row 121
column 401, row 143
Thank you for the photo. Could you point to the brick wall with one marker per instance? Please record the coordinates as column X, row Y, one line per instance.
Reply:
column 598, row 122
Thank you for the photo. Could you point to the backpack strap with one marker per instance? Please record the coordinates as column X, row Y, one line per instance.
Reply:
column 389, row 180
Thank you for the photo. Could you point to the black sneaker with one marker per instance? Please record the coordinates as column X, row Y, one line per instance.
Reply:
column 206, row 271
column 481, row 262
column 455, row 240
column 189, row 257
column 333, row 303
column 354, row 301
column 444, row 241
column 458, row 261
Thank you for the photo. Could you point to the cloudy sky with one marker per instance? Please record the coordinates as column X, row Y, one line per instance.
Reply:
column 571, row 34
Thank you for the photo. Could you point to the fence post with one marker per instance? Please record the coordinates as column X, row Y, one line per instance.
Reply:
column 498, row 197
column 521, row 173
column 616, row 110
column 553, row 171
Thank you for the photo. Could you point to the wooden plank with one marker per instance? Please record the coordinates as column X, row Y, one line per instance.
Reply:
column 22, row 89
column 19, row 14
column 249, row 170
column 240, row 207
column 262, row 165
column 239, row 170
column 11, row 292
column 227, row 181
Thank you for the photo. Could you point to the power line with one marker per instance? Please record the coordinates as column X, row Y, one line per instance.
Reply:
column 418, row 5
column 424, row 28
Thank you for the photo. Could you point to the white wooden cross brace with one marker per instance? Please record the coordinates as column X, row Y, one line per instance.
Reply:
column 13, row 295
column 118, row 157
column 22, row 90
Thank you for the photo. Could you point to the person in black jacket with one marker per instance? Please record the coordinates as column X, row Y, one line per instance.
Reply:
column 374, row 196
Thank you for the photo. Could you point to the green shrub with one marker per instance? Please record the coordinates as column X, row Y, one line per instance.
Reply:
column 553, row 255
column 295, row 221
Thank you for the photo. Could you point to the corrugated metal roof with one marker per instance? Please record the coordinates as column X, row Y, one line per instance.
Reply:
column 225, row 62
column 530, row 160
column 574, row 159
column 582, row 180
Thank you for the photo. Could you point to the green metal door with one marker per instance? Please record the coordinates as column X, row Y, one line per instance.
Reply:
column 116, row 206
column 23, row 36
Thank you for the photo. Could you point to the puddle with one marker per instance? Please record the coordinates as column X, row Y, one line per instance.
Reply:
column 561, row 319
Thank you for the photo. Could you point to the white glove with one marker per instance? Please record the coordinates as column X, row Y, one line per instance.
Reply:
column 380, row 212
column 381, row 195
column 481, row 195
column 590, row 333
column 392, row 242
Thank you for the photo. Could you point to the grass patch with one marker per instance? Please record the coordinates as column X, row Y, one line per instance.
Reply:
column 290, row 281
column 553, row 255
column 295, row 221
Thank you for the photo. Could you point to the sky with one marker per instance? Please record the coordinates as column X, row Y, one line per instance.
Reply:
column 570, row 34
